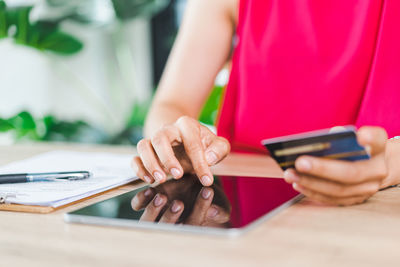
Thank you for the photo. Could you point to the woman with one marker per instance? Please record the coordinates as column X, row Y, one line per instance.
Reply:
column 298, row 65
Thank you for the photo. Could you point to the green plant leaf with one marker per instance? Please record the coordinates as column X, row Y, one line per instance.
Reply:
column 138, row 115
column 23, row 120
column 72, row 131
column 210, row 109
column 48, row 121
column 60, row 43
column 44, row 28
column 3, row 20
column 5, row 126
column 23, row 25
column 24, row 126
column 42, row 35
column 128, row 9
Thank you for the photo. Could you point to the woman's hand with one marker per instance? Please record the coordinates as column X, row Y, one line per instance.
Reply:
column 342, row 182
column 184, row 146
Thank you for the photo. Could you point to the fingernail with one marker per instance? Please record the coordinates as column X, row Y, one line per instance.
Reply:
column 296, row 187
column 291, row 176
column 211, row 158
column 147, row 192
column 158, row 176
column 205, row 180
column 212, row 212
column 303, row 165
column 147, row 179
column 175, row 207
column 175, row 172
column 205, row 193
column 158, row 201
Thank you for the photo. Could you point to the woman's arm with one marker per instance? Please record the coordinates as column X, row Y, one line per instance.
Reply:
column 202, row 48
column 175, row 141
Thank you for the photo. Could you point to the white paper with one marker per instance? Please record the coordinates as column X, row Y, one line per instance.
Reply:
column 108, row 171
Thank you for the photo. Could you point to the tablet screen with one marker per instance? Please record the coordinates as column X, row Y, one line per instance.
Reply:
column 231, row 203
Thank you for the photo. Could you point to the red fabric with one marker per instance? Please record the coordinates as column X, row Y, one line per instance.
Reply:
column 302, row 65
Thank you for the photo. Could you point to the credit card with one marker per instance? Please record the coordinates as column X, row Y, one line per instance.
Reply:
column 340, row 145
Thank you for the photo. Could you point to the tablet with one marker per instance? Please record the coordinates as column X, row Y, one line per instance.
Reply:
column 233, row 205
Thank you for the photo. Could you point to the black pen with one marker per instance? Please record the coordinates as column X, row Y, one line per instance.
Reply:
column 40, row 177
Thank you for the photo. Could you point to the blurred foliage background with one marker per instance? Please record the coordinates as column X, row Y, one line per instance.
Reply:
column 44, row 34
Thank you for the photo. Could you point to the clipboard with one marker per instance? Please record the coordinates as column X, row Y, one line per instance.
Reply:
column 46, row 209
column 109, row 171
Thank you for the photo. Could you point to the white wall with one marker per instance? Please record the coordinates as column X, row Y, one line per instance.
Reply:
column 99, row 85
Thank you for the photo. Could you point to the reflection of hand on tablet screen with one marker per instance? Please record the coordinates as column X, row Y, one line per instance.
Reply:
column 186, row 205
column 183, row 201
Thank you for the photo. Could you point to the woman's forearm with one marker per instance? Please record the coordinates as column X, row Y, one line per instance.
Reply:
column 201, row 49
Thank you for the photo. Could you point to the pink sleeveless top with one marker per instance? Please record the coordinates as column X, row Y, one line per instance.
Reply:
column 301, row 65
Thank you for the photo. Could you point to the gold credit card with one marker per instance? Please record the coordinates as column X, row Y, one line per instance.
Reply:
column 323, row 143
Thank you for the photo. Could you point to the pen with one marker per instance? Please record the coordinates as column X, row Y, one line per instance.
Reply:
column 40, row 177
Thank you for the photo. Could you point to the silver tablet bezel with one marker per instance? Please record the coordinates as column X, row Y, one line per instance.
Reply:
column 127, row 223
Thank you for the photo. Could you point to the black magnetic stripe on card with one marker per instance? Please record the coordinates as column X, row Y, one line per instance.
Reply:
column 332, row 156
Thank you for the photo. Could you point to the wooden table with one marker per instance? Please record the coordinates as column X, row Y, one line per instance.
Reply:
column 306, row 234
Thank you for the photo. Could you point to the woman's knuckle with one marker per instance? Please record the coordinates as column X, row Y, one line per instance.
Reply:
column 140, row 173
column 342, row 191
column 309, row 193
column 305, row 180
column 168, row 163
column 193, row 147
column 373, row 188
column 158, row 139
column 142, row 144
column 225, row 145
column 184, row 120
column 381, row 173
column 208, row 139
column 167, row 129
column 164, row 128
column 200, row 168
column 149, row 165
